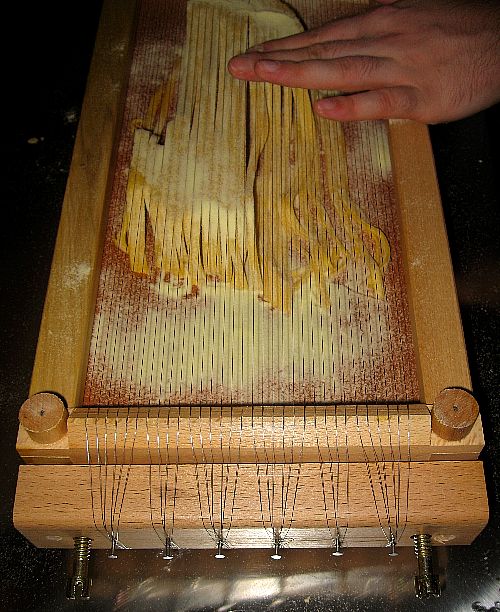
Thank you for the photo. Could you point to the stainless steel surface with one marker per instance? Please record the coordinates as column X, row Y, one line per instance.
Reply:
column 44, row 77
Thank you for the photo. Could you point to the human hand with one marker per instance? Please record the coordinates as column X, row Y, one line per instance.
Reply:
column 427, row 60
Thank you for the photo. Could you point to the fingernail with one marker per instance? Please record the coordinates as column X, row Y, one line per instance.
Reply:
column 268, row 65
column 238, row 64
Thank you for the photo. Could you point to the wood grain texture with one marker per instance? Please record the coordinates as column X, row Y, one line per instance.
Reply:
column 447, row 500
column 44, row 417
column 38, row 453
column 437, row 328
column 454, row 413
column 249, row 435
column 55, row 503
column 63, row 343
column 436, row 318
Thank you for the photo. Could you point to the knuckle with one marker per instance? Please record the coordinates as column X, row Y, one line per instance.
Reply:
column 316, row 51
column 387, row 102
column 367, row 67
column 316, row 36
column 345, row 68
column 356, row 69
column 323, row 50
column 398, row 102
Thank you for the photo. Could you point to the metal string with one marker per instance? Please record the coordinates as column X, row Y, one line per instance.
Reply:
column 369, row 474
column 121, row 479
column 159, row 466
column 89, row 463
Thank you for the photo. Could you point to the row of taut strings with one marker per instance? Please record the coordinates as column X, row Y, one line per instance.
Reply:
column 216, row 485
column 235, row 162
column 266, row 282
column 229, row 195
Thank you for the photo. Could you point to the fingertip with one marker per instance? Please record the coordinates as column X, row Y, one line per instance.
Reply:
column 234, row 65
column 241, row 67
column 333, row 108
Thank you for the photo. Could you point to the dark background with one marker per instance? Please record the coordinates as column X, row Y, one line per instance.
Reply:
column 46, row 51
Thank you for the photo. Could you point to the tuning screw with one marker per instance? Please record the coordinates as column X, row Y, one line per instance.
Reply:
column 112, row 552
column 277, row 546
column 79, row 583
column 219, row 554
column 392, row 545
column 426, row 582
column 168, row 553
column 338, row 547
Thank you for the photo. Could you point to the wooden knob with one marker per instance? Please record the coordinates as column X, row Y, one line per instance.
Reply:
column 454, row 413
column 44, row 417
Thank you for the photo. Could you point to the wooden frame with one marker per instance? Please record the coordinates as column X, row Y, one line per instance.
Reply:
column 64, row 339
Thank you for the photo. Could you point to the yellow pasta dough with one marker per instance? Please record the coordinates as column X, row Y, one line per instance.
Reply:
column 240, row 183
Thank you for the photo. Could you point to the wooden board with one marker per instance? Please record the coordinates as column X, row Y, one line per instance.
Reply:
column 64, row 337
column 249, row 435
column 444, row 499
column 407, row 336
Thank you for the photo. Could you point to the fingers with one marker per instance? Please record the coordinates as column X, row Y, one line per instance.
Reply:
column 367, row 24
column 341, row 29
column 387, row 103
column 244, row 66
column 325, row 50
column 345, row 74
column 354, row 54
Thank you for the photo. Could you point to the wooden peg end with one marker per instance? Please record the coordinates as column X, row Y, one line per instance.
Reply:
column 454, row 413
column 44, row 417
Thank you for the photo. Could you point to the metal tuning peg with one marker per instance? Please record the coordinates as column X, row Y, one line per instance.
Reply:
column 426, row 582
column 168, row 552
column 392, row 545
column 276, row 547
column 79, row 583
column 337, row 552
column 112, row 552
column 220, row 554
